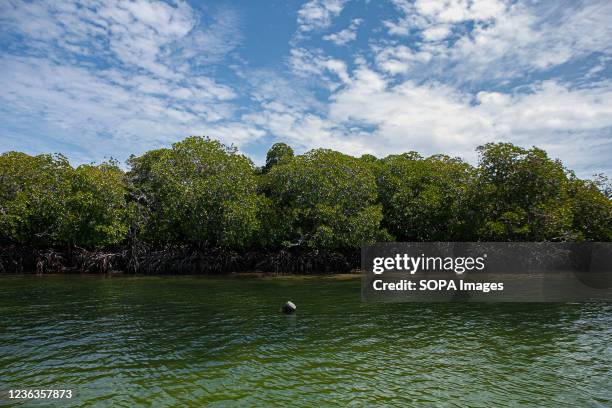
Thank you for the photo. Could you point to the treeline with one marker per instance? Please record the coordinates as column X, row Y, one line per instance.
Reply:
column 203, row 194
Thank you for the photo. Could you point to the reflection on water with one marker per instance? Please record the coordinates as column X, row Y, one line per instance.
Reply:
column 184, row 340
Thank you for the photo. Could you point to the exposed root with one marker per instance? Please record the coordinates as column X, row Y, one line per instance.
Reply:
column 176, row 260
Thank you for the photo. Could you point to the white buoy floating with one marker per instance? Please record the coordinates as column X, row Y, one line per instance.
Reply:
column 288, row 307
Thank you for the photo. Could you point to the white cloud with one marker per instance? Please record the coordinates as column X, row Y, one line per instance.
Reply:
column 134, row 112
column 318, row 14
column 456, row 11
column 270, row 89
column 306, row 130
column 420, row 14
column 374, row 109
column 507, row 38
column 114, row 77
column 151, row 35
column 312, row 63
column 399, row 59
column 436, row 33
column 408, row 116
column 436, row 118
column 122, row 77
column 136, row 33
column 345, row 36
column 370, row 114
column 525, row 41
column 209, row 43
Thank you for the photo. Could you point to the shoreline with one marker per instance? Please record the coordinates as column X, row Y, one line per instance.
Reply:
column 234, row 275
column 137, row 259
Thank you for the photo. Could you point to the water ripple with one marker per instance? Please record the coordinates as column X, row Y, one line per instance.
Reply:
column 222, row 342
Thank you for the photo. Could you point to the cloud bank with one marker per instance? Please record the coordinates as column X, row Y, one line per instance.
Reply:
column 94, row 78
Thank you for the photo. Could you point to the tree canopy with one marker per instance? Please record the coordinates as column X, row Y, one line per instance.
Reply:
column 44, row 201
column 322, row 199
column 279, row 153
column 424, row 198
column 520, row 195
column 201, row 192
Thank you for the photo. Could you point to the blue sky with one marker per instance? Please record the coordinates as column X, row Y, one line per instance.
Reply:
column 95, row 79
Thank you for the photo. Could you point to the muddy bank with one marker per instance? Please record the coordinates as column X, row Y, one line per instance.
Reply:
column 175, row 260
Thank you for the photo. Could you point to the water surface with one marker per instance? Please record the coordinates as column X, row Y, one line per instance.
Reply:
column 195, row 341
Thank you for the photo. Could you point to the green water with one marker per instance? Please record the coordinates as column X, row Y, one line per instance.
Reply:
column 195, row 341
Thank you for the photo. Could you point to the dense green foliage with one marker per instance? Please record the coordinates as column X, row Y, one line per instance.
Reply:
column 199, row 191
column 520, row 195
column 591, row 210
column 204, row 193
column 322, row 199
column 278, row 153
column 424, row 199
column 44, row 201
column 97, row 209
